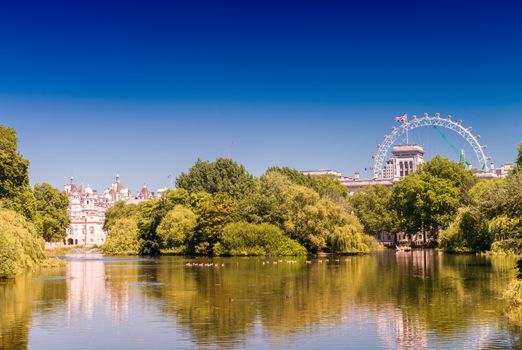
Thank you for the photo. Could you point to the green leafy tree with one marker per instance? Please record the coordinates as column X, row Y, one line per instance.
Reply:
column 119, row 210
column 488, row 197
column 309, row 219
column 177, row 226
column 468, row 233
column 51, row 208
column 257, row 208
column 150, row 215
column 213, row 214
column 222, row 176
column 326, row 185
column 347, row 239
column 518, row 162
column 15, row 190
column 455, row 173
column 425, row 203
column 372, row 206
column 122, row 237
column 20, row 247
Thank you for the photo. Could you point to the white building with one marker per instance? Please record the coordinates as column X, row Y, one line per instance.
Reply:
column 87, row 210
column 407, row 159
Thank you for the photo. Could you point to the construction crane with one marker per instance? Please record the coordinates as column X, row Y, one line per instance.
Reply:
column 458, row 153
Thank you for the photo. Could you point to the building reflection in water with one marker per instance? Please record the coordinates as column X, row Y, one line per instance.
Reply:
column 91, row 291
column 397, row 331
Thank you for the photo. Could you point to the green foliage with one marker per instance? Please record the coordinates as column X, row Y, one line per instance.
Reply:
column 15, row 191
column 488, row 197
column 518, row 162
column 51, row 207
column 309, row 219
column 213, row 214
column 122, row 237
column 425, row 203
column 503, row 227
column 257, row 208
column 372, row 206
column 325, row 186
column 347, row 239
column 469, row 232
column 119, row 210
column 20, row 246
column 242, row 238
column 221, row 176
column 507, row 233
column 177, row 226
column 455, row 173
column 151, row 214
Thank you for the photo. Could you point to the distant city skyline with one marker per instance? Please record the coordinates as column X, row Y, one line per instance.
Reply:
column 144, row 90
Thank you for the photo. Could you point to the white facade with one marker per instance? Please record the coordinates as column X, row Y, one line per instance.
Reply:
column 87, row 210
column 406, row 159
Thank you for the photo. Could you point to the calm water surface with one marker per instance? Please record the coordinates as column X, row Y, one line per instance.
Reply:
column 390, row 301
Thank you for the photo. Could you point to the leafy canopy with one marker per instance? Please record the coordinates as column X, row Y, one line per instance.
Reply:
column 221, row 176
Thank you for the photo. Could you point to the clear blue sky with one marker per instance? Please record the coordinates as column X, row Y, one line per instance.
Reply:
column 145, row 88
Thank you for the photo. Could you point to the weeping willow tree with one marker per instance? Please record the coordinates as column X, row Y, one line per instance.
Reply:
column 20, row 247
column 350, row 238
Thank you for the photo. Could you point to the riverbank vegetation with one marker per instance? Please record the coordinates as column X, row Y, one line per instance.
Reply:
column 447, row 204
column 27, row 216
column 218, row 208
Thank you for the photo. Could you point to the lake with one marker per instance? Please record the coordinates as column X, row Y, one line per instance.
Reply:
column 387, row 300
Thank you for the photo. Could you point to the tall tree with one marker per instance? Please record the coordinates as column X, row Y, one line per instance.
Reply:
column 425, row 203
column 372, row 206
column 51, row 212
column 452, row 172
column 519, row 158
column 15, row 191
column 222, row 176
column 177, row 226
column 213, row 214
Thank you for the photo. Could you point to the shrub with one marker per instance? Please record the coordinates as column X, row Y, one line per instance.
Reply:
column 242, row 238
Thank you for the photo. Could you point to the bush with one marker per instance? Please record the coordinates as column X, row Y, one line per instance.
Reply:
column 509, row 246
column 242, row 238
column 468, row 233
column 506, row 228
column 20, row 247
column 122, row 237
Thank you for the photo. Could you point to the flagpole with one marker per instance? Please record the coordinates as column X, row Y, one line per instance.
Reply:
column 407, row 134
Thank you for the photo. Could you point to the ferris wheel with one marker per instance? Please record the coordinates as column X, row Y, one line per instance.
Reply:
column 435, row 121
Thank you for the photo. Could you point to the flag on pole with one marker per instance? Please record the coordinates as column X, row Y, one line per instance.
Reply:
column 402, row 119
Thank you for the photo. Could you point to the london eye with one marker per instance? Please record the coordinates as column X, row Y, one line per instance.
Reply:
column 437, row 123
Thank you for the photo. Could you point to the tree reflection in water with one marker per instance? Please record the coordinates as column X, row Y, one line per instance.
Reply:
column 419, row 300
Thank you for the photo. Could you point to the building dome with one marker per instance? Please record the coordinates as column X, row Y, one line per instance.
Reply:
column 88, row 190
column 145, row 193
column 73, row 188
